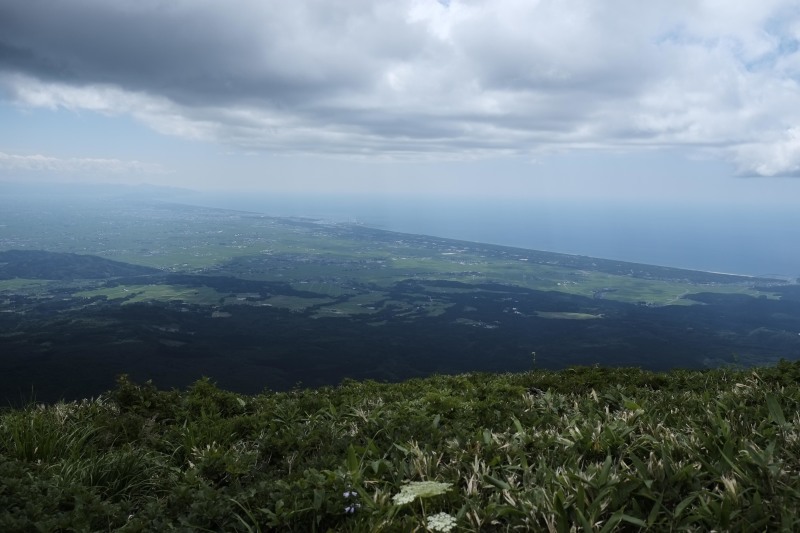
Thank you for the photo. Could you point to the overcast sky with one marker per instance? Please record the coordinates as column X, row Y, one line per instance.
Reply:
column 648, row 101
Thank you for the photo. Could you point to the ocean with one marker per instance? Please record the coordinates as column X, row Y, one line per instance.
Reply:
column 755, row 240
column 743, row 240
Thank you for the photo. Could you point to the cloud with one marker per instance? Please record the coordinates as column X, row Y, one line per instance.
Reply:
column 424, row 79
column 779, row 157
column 75, row 165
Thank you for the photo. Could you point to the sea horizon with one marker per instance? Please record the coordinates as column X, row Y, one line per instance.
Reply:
column 741, row 240
column 744, row 241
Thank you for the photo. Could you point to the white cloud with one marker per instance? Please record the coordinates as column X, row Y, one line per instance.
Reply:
column 75, row 165
column 778, row 157
column 421, row 79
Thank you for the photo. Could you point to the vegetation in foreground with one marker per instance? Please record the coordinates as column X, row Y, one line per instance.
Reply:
column 580, row 449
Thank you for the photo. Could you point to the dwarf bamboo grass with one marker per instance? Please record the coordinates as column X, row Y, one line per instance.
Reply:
column 588, row 448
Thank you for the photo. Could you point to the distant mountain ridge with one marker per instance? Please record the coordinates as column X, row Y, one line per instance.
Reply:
column 39, row 264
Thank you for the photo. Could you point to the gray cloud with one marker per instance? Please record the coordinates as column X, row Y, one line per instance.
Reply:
column 419, row 77
column 202, row 52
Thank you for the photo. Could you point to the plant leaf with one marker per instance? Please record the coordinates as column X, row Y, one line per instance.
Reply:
column 499, row 483
column 775, row 411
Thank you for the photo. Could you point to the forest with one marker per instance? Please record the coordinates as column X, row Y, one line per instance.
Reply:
column 174, row 293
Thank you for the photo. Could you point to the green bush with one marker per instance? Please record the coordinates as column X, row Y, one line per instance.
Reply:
column 586, row 448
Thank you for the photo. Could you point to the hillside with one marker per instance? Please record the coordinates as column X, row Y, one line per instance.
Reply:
column 171, row 293
column 39, row 264
column 585, row 448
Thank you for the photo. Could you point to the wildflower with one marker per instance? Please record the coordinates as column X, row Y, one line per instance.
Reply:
column 352, row 506
column 441, row 522
column 403, row 497
column 422, row 489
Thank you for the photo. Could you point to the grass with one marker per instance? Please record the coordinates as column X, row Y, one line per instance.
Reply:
column 631, row 290
column 142, row 293
column 625, row 289
column 566, row 316
column 581, row 449
column 22, row 283
column 359, row 305
column 296, row 303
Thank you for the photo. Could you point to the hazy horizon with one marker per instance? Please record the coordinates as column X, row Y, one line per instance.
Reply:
column 712, row 238
column 683, row 115
column 716, row 238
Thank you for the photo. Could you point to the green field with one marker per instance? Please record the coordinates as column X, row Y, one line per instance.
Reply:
column 259, row 301
column 327, row 259
column 142, row 293
column 567, row 316
column 584, row 449
column 16, row 284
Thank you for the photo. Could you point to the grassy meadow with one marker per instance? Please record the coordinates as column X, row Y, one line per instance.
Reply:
column 583, row 449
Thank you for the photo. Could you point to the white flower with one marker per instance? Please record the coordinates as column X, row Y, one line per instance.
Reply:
column 423, row 489
column 441, row 522
column 403, row 497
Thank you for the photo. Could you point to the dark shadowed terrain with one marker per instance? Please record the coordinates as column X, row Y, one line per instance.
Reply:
column 173, row 293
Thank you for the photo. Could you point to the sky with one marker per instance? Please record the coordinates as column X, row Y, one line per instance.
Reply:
column 682, row 101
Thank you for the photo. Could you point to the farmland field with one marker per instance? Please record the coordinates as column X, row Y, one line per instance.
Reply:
column 173, row 292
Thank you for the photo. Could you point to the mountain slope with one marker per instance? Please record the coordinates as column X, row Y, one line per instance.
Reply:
column 38, row 264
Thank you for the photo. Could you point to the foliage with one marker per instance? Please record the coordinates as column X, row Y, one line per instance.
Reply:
column 585, row 448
